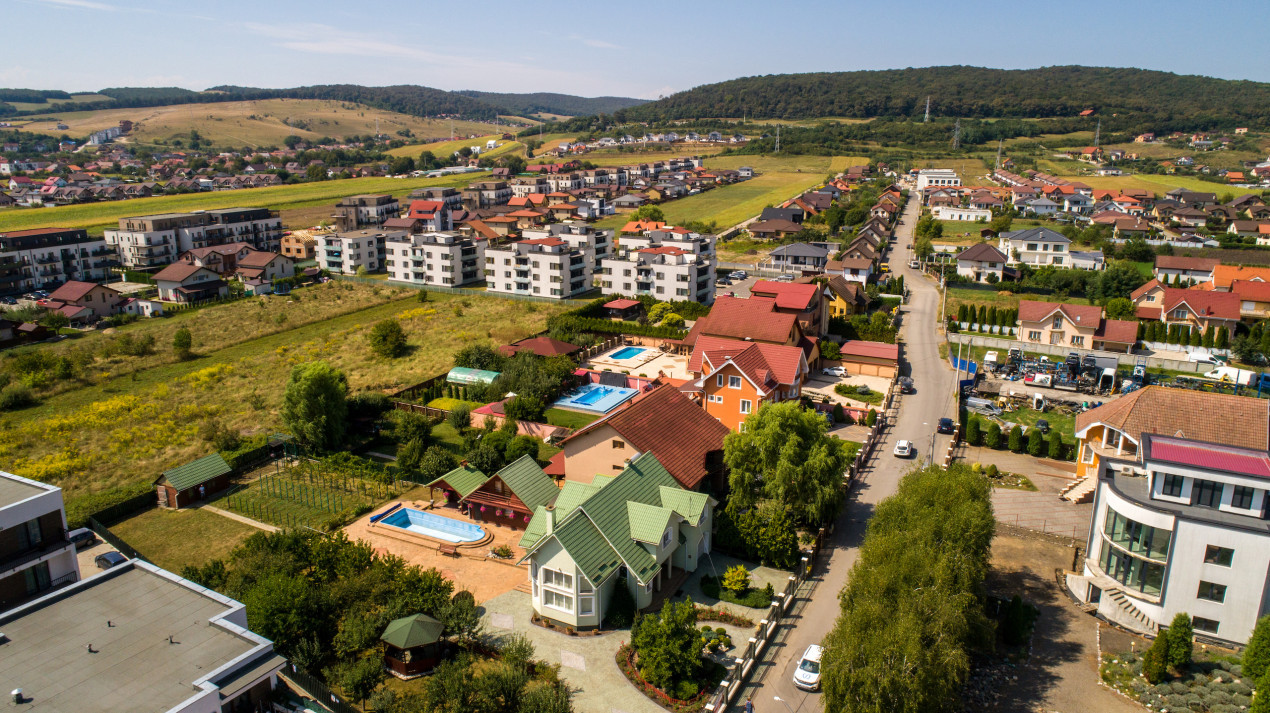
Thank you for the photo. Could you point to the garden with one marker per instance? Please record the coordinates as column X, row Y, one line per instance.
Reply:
column 735, row 587
column 323, row 494
column 670, row 660
column 982, row 431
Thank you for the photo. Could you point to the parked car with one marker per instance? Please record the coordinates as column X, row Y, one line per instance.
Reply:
column 807, row 675
column 914, row 264
column 906, row 385
column 839, row 371
column 785, row 277
column 83, row 538
column 739, row 274
column 945, row 425
column 8, row 301
column 109, row 559
column 1043, row 426
column 903, row 449
column 723, row 282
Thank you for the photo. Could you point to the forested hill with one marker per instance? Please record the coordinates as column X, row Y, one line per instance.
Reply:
column 567, row 104
column 973, row 92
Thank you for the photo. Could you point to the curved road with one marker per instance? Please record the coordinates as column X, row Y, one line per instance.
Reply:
column 934, row 397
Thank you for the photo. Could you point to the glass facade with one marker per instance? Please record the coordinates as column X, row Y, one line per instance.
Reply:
column 1135, row 537
column 1133, row 573
column 1126, row 550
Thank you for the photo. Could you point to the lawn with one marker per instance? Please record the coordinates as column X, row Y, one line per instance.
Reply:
column 173, row 539
column 126, row 430
column 1160, row 184
column 96, row 216
column 446, row 148
column 961, row 295
column 569, row 419
column 1064, row 423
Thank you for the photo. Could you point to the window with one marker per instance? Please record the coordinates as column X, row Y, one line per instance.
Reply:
column 556, row 578
column 745, row 405
column 1058, row 323
column 1221, row 556
column 1206, row 493
column 665, row 538
column 1056, row 337
column 734, row 382
column 556, row 600
column 716, row 399
column 1078, row 341
column 1212, row 592
column 1135, row 537
column 718, row 381
column 1172, row 485
column 1132, row 572
column 618, row 444
column 1034, row 336
column 1087, row 454
column 1208, row 626
column 1179, row 314
column 1241, row 497
column 586, row 606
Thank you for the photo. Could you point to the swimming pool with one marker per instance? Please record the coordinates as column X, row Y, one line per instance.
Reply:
column 597, row 398
column 627, row 353
column 441, row 528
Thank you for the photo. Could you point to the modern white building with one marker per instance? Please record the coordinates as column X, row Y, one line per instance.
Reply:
column 604, row 242
column 48, row 257
column 353, row 212
column 1036, row 247
column 446, row 259
column 344, row 253
column 152, row 241
column 968, row 215
column 979, row 262
column 674, row 264
column 542, row 267
column 937, row 177
column 35, row 554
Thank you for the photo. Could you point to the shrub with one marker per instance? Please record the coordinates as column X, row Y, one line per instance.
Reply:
column 15, row 396
column 974, row 436
column 1056, row 447
column 992, row 438
column 736, row 578
column 686, row 689
column 992, row 471
column 1257, row 656
column 460, row 417
column 387, row 339
column 1155, row 661
column 1016, row 439
column 1181, row 641
column 871, row 419
column 1035, row 442
column 840, row 414
column 182, row 343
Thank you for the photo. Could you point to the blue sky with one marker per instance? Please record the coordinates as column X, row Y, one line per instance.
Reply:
column 596, row 48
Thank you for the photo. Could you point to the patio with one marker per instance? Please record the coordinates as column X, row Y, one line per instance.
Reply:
column 473, row 569
column 819, row 385
column 648, row 364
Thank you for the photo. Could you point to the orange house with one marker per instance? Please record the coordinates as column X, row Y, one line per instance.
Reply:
column 738, row 377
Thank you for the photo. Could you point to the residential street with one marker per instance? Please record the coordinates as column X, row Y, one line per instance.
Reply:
column 918, row 414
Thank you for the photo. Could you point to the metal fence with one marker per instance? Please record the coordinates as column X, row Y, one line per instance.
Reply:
column 318, row 691
column 114, row 540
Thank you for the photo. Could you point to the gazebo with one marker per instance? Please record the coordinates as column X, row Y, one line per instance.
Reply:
column 412, row 645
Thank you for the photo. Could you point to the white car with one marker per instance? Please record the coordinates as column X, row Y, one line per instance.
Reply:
column 903, row 449
column 807, row 675
column 840, row 371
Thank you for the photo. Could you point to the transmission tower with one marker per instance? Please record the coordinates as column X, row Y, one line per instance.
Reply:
column 1000, row 145
column 1097, row 132
column 778, row 139
column 957, row 135
column 927, row 119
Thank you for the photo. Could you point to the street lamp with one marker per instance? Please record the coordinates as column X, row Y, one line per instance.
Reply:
column 784, row 703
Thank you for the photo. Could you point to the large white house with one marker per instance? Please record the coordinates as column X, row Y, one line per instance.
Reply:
column 446, row 259
column 968, row 215
column 980, row 261
column 1036, row 247
column 636, row 529
column 937, row 177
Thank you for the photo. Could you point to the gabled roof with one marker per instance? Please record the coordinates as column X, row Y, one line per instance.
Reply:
column 801, row 250
column 850, row 291
column 1204, row 303
column 1083, row 315
column 788, row 295
column 982, row 252
column 464, row 479
column 527, row 481
column 648, row 522
column 196, row 472
column 774, row 226
column 1254, row 291
column 179, row 272
column 1117, row 330
column 1179, row 262
column 765, row 365
column 75, row 290
column 755, row 318
column 689, row 505
column 257, row 258
column 1040, row 235
column 1241, row 421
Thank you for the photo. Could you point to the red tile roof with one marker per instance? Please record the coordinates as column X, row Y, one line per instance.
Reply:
column 767, row 365
column 419, row 209
column 872, row 350
column 1252, row 290
column 1204, row 303
column 664, row 250
column 1179, row 262
column 74, row 290
column 1084, row 315
column 1210, row 456
column 677, row 431
column 1242, row 421
column 755, row 318
column 621, row 304
column 179, row 271
column 789, row 295
column 1118, row 331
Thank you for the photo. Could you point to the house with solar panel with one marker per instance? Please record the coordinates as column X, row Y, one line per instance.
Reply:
column 638, row 529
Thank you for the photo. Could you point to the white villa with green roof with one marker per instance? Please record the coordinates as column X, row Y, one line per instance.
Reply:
column 635, row 529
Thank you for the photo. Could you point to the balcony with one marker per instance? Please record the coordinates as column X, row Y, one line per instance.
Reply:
column 13, row 561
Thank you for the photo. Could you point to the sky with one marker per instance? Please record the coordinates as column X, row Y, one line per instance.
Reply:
column 645, row 50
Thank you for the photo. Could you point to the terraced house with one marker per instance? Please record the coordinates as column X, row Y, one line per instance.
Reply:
column 637, row 529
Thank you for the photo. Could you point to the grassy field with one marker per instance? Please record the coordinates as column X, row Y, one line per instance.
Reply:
column 75, row 99
column 1160, row 184
column 98, row 216
column 125, row 430
column 1064, row 423
column 263, row 122
column 173, row 539
column 569, row 419
column 446, row 148
column 959, row 296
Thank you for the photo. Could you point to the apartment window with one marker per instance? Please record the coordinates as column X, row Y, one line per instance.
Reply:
column 1221, row 556
column 745, row 405
column 1078, row 341
column 1212, row 592
column 1057, row 260
column 1241, row 497
column 1172, row 485
column 1136, row 538
column 734, row 382
column 1208, row 626
column 618, row 444
column 29, row 535
column 1206, row 493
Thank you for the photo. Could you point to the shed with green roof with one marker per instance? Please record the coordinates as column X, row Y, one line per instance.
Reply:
column 197, row 480
column 412, row 645
column 508, row 498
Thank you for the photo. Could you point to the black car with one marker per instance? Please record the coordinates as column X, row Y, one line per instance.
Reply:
column 723, row 281
column 83, row 538
column 110, row 559
column 945, row 425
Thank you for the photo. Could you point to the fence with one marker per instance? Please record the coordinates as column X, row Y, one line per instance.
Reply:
column 466, row 291
column 875, row 432
column 317, row 690
column 120, row 511
column 1062, row 351
column 778, row 613
column 113, row 540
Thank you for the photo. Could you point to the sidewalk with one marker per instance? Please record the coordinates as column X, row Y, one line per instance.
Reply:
column 235, row 516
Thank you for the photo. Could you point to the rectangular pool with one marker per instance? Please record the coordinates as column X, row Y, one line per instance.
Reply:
column 596, row 398
column 627, row 353
column 435, row 526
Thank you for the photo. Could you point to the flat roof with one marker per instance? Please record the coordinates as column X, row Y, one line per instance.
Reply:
column 126, row 614
column 15, row 489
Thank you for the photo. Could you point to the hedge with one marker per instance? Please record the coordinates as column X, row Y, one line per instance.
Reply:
column 249, row 451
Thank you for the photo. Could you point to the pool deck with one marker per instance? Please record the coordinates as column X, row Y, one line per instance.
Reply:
column 610, row 400
column 647, row 364
column 473, row 570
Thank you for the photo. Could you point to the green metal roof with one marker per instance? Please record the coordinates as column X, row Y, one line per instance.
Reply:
column 536, row 528
column 196, row 472
column 464, row 479
column 527, row 481
column 464, row 375
column 648, row 522
column 690, row 505
column 571, row 496
column 411, row 631
column 600, row 481
column 588, row 549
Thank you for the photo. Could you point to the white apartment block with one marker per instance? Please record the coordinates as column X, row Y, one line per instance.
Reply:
column 522, row 187
column 48, row 257
column 968, row 215
column 553, row 266
column 446, row 259
column 344, row 253
column 35, row 553
column 673, row 264
column 936, row 177
column 155, row 240
column 602, row 242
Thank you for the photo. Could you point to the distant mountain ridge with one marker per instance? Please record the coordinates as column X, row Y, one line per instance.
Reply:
column 972, row 92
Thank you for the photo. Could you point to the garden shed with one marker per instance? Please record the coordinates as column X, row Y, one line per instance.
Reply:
column 412, row 645
column 192, row 482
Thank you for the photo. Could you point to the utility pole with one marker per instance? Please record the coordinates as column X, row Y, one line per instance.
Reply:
column 957, row 135
column 1000, row 145
column 927, row 119
column 778, row 138
column 1097, row 132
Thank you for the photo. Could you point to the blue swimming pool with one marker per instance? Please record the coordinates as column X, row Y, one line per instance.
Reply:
column 596, row 398
column 441, row 528
column 627, row 353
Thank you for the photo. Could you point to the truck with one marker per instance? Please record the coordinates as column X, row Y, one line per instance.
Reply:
column 1230, row 374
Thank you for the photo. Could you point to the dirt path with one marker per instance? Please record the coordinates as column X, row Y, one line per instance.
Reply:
column 1062, row 674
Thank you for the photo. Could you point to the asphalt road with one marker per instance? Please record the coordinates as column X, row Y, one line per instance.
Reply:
column 934, row 397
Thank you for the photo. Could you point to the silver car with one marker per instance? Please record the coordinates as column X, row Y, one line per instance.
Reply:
column 807, row 675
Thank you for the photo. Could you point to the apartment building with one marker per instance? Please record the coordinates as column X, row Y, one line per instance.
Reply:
column 485, row 194
column 556, row 266
column 366, row 210
column 937, row 177
column 35, row 554
column 446, row 259
column 153, row 241
column 525, row 186
column 48, row 257
column 673, row 264
column 604, row 242
column 345, row 252
column 452, row 199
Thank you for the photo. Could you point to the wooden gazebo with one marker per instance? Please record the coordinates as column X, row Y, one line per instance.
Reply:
column 412, row 645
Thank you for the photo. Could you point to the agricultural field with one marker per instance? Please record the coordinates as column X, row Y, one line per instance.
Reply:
column 446, row 148
column 99, row 216
column 111, row 432
column 307, row 494
column 262, row 122
column 1161, row 184
column 174, row 539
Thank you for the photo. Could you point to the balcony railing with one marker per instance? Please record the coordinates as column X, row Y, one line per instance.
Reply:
column 15, row 560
